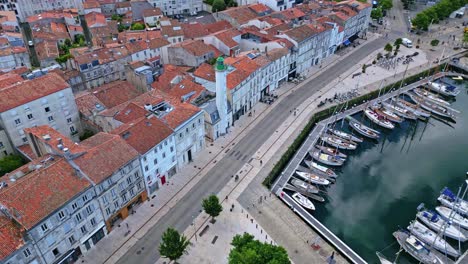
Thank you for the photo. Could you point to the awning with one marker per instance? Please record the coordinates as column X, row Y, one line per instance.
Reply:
column 84, row 239
column 65, row 256
column 346, row 42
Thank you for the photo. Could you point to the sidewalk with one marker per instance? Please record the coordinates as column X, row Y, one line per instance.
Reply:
column 117, row 242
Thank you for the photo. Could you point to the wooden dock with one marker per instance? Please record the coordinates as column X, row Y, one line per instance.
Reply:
column 311, row 140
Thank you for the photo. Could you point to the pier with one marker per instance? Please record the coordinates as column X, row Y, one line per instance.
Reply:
column 311, row 140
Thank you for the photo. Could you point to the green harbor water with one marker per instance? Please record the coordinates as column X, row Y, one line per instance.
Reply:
column 383, row 181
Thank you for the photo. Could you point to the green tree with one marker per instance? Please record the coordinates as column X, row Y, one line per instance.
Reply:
column 465, row 38
column 68, row 43
column 230, row 3
column 79, row 38
column 173, row 244
column 376, row 13
column 386, row 4
column 137, row 26
column 116, row 17
column 246, row 250
column 434, row 42
column 398, row 41
column 10, row 163
column 388, row 48
column 209, row 2
column 212, row 206
column 218, row 5
column 421, row 21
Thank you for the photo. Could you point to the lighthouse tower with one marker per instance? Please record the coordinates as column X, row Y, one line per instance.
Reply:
column 221, row 97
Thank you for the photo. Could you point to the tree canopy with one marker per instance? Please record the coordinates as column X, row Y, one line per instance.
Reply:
column 137, row 26
column 436, row 13
column 212, row 206
column 218, row 5
column 388, row 47
column 376, row 13
column 386, row 4
column 246, row 250
column 173, row 244
column 10, row 163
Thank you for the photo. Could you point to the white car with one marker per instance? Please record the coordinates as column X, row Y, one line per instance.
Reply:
column 30, row 43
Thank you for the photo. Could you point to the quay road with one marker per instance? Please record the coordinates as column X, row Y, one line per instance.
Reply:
column 180, row 217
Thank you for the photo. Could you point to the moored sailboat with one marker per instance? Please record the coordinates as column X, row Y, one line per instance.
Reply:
column 331, row 151
column 346, row 136
column 326, row 158
column 416, row 248
column 363, row 129
column 432, row 220
column 321, row 170
column 338, row 142
column 447, row 90
column 378, row 119
column 303, row 201
column 312, row 178
column 431, row 238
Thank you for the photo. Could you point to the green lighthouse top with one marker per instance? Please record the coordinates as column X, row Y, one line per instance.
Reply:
column 220, row 64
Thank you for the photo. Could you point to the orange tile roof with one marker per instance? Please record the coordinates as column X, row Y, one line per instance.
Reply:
column 11, row 237
column 9, row 78
column 86, row 103
column 40, row 131
column 181, row 113
column 260, row 8
column 95, row 19
column 158, row 43
column 195, row 47
column 205, row 71
column 30, row 90
column 115, row 93
column 292, row 13
column 144, row 133
column 103, row 55
column 47, row 49
column 27, row 151
column 152, row 12
column 125, row 4
column 341, row 16
column 101, row 161
column 91, row 4
column 40, row 192
column 217, row 26
column 241, row 14
column 136, row 46
column 194, row 30
column 227, row 37
column 186, row 86
column 131, row 112
column 300, row 33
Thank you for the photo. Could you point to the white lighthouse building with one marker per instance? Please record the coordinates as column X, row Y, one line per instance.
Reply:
column 221, row 97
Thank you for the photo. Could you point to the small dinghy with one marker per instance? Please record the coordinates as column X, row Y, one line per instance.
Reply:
column 312, row 178
column 302, row 200
column 345, row 135
column 378, row 119
column 326, row 158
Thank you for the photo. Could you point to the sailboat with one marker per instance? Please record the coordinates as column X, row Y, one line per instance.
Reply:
column 331, row 151
column 430, row 96
column 321, row 170
column 412, row 107
column 400, row 111
column 431, row 238
column 345, row 135
column 312, row 178
column 362, row 129
column 388, row 114
column 432, row 220
column 434, row 108
column 302, row 200
column 449, row 199
column 416, row 248
column 455, row 218
column 447, row 90
column 378, row 119
column 326, row 158
column 338, row 142
column 304, row 187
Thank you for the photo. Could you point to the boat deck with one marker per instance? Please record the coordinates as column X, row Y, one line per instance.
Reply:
column 311, row 140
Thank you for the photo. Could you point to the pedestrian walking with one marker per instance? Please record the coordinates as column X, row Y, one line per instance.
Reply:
column 261, row 162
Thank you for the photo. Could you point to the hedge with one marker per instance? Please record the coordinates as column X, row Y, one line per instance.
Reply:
column 319, row 116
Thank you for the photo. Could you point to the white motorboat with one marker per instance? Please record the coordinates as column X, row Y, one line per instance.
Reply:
column 312, row 178
column 416, row 248
column 321, row 169
column 339, row 142
column 346, row 136
column 430, row 238
column 302, row 200
column 431, row 97
column 378, row 119
column 447, row 90
column 432, row 220
column 449, row 199
column 455, row 218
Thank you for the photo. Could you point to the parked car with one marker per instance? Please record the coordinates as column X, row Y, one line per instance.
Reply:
column 30, row 43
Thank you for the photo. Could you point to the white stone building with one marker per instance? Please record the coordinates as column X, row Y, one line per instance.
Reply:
column 185, row 7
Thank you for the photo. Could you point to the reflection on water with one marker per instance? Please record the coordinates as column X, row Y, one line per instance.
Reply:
column 383, row 182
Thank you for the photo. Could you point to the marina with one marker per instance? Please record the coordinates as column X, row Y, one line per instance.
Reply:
column 379, row 132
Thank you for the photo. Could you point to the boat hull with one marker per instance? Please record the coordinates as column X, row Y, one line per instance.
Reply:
column 430, row 237
column 425, row 257
column 312, row 178
column 326, row 159
column 346, row 136
column 374, row 118
column 338, row 143
column 321, row 170
column 331, row 151
column 450, row 231
column 364, row 130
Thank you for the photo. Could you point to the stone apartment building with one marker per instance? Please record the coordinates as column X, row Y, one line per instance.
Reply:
column 44, row 100
column 190, row 53
column 180, row 7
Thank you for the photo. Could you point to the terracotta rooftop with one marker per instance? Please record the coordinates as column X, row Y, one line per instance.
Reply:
column 9, row 78
column 227, row 37
column 131, row 112
column 341, row 16
column 136, row 46
column 217, row 26
column 292, row 13
column 206, row 72
column 115, row 93
column 89, row 4
column 152, row 12
column 194, row 30
column 11, row 237
column 39, row 132
column 27, row 151
column 47, row 49
column 145, row 133
column 300, row 33
column 195, row 47
column 95, row 19
column 87, row 104
column 30, row 90
column 126, row 4
column 260, row 8
column 103, row 55
column 178, row 85
column 41, row 191
column 241, row 14
column 101, row 161
column 158, row 43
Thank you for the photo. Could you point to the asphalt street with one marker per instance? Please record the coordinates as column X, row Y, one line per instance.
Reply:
column 145, row 251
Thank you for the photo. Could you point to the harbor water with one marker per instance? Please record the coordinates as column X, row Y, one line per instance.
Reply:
column 383, row 182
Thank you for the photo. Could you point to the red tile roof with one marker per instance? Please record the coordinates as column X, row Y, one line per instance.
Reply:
column 206, row 72
column 115, row 93
column 145, row 133
column 8, row 79
column 103, row 160
column 260, row 8
column 292, row 13
column 218, row 26
column 158, row 43
column 227, row 37
column 152, row 12
column 131, row 112
column 47, row 49
column 241, row 14
column 11, row 237
column 86, row 103
column 136, row 46
column 30, row 90
column 27, row 151
column 95, row 19
column 194, row 30
column 300, row 33
column 40, row 131
column 195, row 47
column 42, row 191
column 91, row 4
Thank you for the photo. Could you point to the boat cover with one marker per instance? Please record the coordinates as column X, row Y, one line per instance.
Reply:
column 449, row 194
